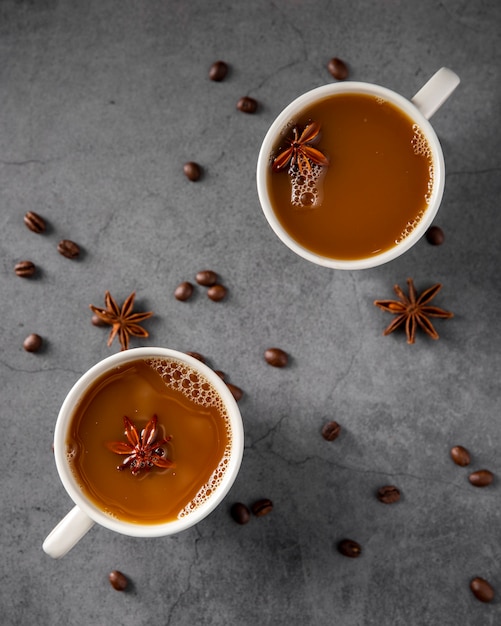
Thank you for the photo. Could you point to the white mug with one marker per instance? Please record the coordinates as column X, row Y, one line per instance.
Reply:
column 85, row 514
column 419, row 109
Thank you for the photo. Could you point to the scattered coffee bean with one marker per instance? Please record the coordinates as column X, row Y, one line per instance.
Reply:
column 217, row 292
column 25, row 269
column 435, row 236
column 197, row 356
column 206, row 278
column 247, row 105
column 240, row 513
column 276, row 357
column 460, row 456
column 183, row 291
column 482, row 590
column 218, row 71
column 32, row 343
column 262, row 507
column 68, row 249
column 97, row 321
column 350, row 548
column 192, row 171
column 118, row 580
column 236, row 392
column 338, row 68
column 331, row 431
column 34, row 222
column 481, row 478
column 388, row 494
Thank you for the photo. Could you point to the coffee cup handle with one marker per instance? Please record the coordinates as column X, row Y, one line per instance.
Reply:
column 435, row 92
column 67, row 533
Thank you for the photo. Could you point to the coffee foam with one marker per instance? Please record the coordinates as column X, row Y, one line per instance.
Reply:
column 305, row 190
column 194, row 386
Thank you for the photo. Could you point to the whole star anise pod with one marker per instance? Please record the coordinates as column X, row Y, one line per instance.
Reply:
column 143, row 452
column 413, row 311
column 124, row 322
column 299, row 154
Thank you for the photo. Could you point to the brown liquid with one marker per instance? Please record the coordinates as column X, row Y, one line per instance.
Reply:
column 188, row 408
column 373, row 192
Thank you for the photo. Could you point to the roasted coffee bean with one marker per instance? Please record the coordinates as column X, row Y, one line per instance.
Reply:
column 247, row 105
column 217, row 292
column 240, row 513
column 262, row 507
column 206, row 278
column 192, row 171
column 118, row 580
column 481, row 478
column 388, row 494
column 197, row 356
column 68, row 248
column 183, row 291
column 32, row 343
column 34, row 222
column 276, row 357
column 236, row 392
column 331, row 431
column 350, row 548
column 25, row 269
column 460, row 456
column 338, row 68
column 435, row 236
column 97, row 321
column 482, row 590
column 218, row 71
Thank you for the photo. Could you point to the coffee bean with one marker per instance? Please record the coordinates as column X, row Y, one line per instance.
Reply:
column 350, row 548
column 197, row 356
column 481, row 478
column 482, row 590
column 34, row 222
column 236, row 392
column 217, row 292
column 97, row 321
column 240, row 513
column 25, row 269
column 221, row 374
column 206, row 278
column 192, row 171
column 388, row 494
column 68, row 248
column 218, row 71
column 276, row 357
column 460, row 456
column 262, row 507
column 338, row 68
column 331, row 431
column 435, row 236
column 32, row 343
column 118, row 580
column 247, row 105
column 183, row 291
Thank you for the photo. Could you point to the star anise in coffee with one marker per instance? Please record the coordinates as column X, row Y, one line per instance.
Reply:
column 124, row 322
column 299, row 154
column 143, row 452
column 413, row 312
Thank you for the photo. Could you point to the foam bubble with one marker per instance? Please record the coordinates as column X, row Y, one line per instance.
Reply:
column 305, row 188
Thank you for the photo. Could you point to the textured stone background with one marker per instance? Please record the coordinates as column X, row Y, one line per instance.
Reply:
column 101, row 104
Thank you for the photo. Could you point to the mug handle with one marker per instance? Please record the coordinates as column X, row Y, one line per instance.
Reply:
column 435, row 92
column 67, row 533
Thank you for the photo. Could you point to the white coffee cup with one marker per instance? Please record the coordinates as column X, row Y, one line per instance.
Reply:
column 419, row 109
column 85, row 513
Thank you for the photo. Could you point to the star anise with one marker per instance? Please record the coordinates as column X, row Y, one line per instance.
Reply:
column 299, row 154
column 123, row 321
column 413, row 311
column 143, row 452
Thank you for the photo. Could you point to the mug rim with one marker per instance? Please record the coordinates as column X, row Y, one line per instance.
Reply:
column 148, row 529
column 297, row 106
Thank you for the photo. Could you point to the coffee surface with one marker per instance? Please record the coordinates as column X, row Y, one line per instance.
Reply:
column 189, row 410
column 374, row 190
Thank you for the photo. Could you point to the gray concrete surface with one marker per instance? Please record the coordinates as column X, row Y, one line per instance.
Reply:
column 101, row 104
